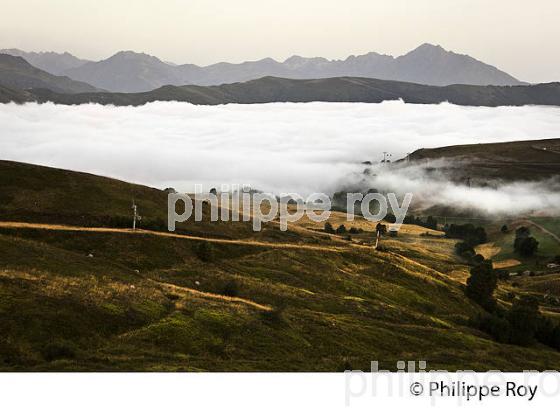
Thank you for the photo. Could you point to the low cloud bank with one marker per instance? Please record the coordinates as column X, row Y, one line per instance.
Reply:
column 436, row 189
column 282, row 147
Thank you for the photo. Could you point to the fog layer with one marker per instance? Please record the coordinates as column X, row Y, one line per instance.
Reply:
column 282, row 147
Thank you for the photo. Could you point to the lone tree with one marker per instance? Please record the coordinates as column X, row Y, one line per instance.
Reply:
column 504, row 229
column 524, row 244
column 381, row 228
column 341, row 230
column 522, row 232
column 329, row 228
column 481, row 285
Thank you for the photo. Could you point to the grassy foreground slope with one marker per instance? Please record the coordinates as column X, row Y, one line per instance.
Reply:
column 95, row 300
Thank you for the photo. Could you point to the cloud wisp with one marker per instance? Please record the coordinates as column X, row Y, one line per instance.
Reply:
column 439, row 188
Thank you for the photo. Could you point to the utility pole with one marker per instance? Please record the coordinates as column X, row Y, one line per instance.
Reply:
column 135, row 209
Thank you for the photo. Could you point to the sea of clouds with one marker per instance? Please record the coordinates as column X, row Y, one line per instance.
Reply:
column 281, row 147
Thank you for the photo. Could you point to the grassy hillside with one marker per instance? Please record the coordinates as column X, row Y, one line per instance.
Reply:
column 31, row 193
column 338, row 89
column 521, row 160
column 296, row 301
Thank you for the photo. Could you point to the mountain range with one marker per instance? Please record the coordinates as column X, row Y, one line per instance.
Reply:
column 128, row 71
column 21, row 82
column 17, row 74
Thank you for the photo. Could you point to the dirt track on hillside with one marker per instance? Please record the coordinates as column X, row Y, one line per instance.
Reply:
column 49, row 227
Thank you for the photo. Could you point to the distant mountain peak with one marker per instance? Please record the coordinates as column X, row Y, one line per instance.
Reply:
column 430, row 46
column 428, row 49
column 295, row 59
column 267, row 60
column 133, row 55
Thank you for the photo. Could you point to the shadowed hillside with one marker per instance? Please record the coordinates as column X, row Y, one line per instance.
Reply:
column 513, row 161
column 342, row 89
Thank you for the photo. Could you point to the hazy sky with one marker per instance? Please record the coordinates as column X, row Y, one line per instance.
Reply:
column 521, row 37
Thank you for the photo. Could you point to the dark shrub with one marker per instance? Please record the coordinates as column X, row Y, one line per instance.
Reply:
column 502, row 274
column 522, row 325
column 329, row 228
column 60, row 349
column 390, row 218
column 275, row 316
column 522, row 232
column 548, row 333
column 431, row 223
column 231, row 289
column 341, row 230
column 462, row 248
column 525, row 246
column 204, row 251
column 523, row 318
column 409, row 219
column 495, row 325
column 468, row 232
column 477, row 259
